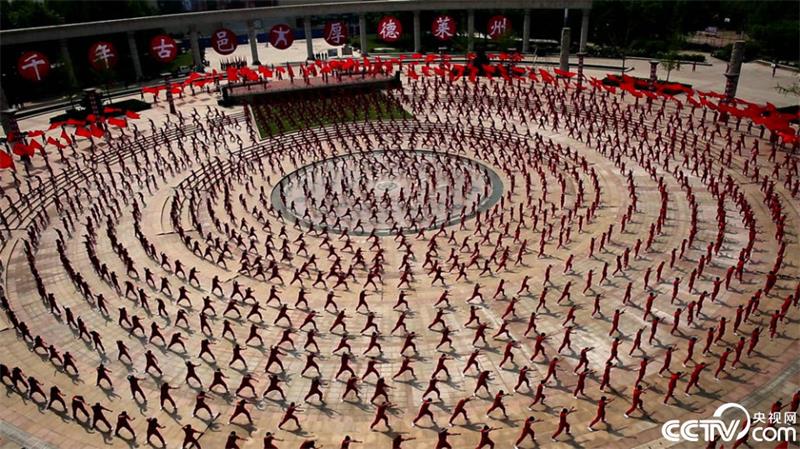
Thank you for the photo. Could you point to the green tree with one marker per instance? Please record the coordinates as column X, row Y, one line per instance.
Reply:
column 669, row 65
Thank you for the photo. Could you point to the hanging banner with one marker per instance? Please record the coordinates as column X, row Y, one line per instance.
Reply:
column 33, row 66
column 498, row 26
column 335, row 33
column 163, row 48
column 281, row 36
column 224, row 41
column 389, row 29
column 103, row 55
column 444, row 28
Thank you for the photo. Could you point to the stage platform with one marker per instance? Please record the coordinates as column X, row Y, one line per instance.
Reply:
column 264, row 91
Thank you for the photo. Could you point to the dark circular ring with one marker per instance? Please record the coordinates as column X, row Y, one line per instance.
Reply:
column 495, row 184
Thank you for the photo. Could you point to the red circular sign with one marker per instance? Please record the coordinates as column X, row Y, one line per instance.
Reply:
column 163, row 48
column 281, row 36
column 498, row 26
column 33, row 66
column 103, row 55
column 389, row 29
column 224, row 41
column 336, row 32
column 444, row 28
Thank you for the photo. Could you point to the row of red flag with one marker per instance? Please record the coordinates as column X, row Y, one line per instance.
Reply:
column 89, row 128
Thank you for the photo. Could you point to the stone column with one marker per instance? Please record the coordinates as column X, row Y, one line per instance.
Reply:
column 653, row 74
column 309, row 38
column 91, row 97
column 3, row 99
column 137, row 65
column 417, row 33
column 584, row 29
column 362, row 29
column 563, row 62
column 471, row 30
column 197, row 58
column 581, row 56
column 526, row 31
column 8, row 119
column 68, row 62
column 168, row 88
column 734, row 69
column 251, row 37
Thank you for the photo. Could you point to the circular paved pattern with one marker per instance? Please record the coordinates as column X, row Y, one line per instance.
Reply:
column 387, row 191
column 167, row 258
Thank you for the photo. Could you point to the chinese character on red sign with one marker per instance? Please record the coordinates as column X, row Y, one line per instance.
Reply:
column 163, row 48
column 498, row 26
column 335, row 33
column 103, row 55
column 281, row 36
column 444, row 28
column 389, row 29
column 33, row 66
column 224, row 41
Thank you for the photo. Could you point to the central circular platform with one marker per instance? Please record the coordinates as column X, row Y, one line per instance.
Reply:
column 387, row 191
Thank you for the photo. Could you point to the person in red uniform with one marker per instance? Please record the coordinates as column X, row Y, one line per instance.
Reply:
column 563, row 425
column 441, row 441
column 289, row 415
column 527, row 430
column 380, row 415
column 485, row 439
column 673, row 382
column 347, row 441
column 694, row 378
column 636, row 400
column 424, row 410
column 601, row 412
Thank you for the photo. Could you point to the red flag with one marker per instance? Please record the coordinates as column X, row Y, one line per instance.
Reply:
column 65, row 136
column 267, row 73
column 118, row 122
column 5, row 160
column 473, row 74
column 547, row 77
column 503, row 72
column 289, row 69
column 91, row 118
column 564, row 73
column 55, row 125
column 74, row 122
column 458, row 72
column 231, row 74
column 55, row 143
column 36, row 133
column 249, row 73
column 20, row 149
column 96, row 131
column 131, row 115
column 83, row 132
column 412, row 73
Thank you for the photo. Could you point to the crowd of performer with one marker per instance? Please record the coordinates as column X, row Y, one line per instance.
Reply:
column 258, row 292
